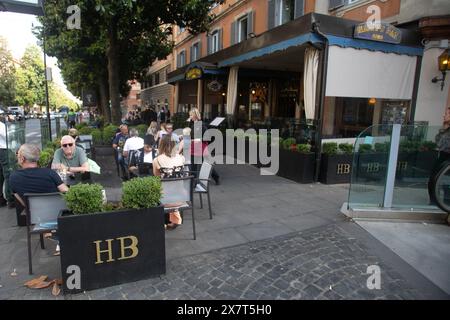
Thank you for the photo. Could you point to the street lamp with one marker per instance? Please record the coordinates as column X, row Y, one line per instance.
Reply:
column 443, row 64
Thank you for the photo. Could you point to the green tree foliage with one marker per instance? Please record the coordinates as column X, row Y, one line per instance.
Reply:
column 118, row 39
column 7, row 75
column 30, row 78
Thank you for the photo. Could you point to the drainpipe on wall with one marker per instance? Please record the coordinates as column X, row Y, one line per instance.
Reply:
column 323, row 79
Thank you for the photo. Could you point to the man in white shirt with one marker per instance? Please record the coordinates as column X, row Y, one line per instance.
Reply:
column 6, row 197
column 133, row 143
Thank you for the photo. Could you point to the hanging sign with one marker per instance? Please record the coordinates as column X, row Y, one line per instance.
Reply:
column 382, row 32
column 214, row 86
column 194, row 73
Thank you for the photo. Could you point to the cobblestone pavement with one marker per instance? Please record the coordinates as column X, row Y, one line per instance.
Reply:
column 325, row 263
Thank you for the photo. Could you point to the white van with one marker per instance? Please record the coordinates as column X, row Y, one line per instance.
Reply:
column 17, row 109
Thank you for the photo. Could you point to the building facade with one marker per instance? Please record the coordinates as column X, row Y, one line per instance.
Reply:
column 271, row 86
column 133, row 101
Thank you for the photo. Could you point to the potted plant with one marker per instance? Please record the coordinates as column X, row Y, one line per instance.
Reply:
column 112, row 243
column 336, row 163
column 296, row 161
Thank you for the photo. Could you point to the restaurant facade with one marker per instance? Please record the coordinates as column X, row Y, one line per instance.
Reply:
column 317, row 77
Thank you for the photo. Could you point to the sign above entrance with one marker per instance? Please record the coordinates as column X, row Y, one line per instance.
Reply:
column 383, row 32
column 194, row 73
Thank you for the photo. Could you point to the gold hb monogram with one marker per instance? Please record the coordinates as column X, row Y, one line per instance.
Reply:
column 373, row 167
column 343, row 169
column 133, row 247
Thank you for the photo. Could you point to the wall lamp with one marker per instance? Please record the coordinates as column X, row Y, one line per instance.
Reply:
column 252, row 35
column 443, row 62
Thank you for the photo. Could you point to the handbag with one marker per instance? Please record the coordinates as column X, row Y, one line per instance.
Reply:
column 199, row 148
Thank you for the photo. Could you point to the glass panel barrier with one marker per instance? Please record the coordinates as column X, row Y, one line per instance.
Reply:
column 417, row 156
column 14, row 139
column 416, row 159
column 369, row 168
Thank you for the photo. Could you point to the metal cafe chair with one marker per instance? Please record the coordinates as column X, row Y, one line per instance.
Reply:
column 42, row 210
column 202, row 184
column 179, row 191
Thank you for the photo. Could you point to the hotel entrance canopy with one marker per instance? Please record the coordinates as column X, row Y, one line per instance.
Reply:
column 282, row 48
column 34, row 7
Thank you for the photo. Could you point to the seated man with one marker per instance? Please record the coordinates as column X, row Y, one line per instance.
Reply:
column 70, row 159
column 31, row 178
column 141, row 160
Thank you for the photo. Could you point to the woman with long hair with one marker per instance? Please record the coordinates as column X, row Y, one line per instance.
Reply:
column 169, row 164
column 153, row 131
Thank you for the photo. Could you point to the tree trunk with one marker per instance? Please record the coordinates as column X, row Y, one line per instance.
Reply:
column 104, row 98
column 113, row 73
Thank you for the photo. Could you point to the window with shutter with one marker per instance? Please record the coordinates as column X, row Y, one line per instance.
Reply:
column 233, row 33
column 299, row 8
column 271, row 12
column 285, row 10
column 215, row 41
column 334, row 4
column 242, row 28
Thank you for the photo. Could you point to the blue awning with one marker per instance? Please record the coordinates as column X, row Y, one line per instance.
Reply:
column 280, row 46
column 374, row 46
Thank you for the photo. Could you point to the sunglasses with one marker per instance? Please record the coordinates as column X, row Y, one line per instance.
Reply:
column 67, row 145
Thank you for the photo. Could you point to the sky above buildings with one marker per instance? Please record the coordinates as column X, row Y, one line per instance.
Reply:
column 16, row 28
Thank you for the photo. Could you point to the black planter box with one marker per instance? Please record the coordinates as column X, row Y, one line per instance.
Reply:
column 336, row 169
column 296, row 166
column 111, row 248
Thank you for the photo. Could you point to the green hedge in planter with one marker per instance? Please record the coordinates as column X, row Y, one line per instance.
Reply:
column 45, row 159
column 109, row 132
column 85, row 131
column 288, row 143
column 304, row 148
column 346, row 148
column 382, row 147
column 330, row 148
column 97, row 136
column 85, row 198
column 365, row 148
column 428, row 146
column 140, row 193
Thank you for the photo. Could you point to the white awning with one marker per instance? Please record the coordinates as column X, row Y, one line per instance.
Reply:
column 367, row 74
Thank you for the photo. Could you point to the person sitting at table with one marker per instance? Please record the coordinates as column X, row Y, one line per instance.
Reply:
column 32, row 179
column 169, row 164
column 134, row 142
column 141, row 160
column 70, row 159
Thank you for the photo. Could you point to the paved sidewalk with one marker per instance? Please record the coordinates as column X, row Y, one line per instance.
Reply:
column 270, row 239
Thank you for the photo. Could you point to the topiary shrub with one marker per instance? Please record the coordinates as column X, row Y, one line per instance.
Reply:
column 346, row 148
column 330, row 148
column 85, row 198
column 288, row 143
column 304, row 148
column 50, row 145
column 97, row 136
column 382, row 147
column 365, row 148
column 45, row 159
column 141, row 193
column 109, row 132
